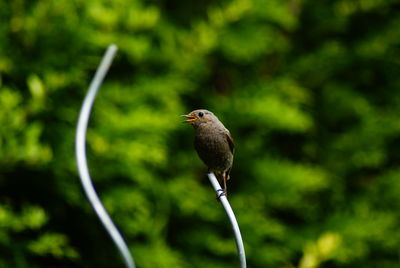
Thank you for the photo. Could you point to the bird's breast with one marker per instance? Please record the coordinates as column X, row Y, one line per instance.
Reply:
column 213, row 148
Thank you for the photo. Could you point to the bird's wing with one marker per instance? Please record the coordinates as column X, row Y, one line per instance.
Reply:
column 230, row 141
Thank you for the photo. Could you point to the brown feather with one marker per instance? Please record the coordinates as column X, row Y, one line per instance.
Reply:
column 213, row 143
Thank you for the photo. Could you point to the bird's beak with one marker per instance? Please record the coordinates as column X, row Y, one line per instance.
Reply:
column 190, row 118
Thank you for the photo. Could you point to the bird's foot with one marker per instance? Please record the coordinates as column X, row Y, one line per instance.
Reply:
column 220, row 192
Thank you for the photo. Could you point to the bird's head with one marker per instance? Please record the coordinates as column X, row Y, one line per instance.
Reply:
column 198, row 117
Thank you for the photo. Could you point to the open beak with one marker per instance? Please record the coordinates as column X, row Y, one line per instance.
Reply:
column 190, row 118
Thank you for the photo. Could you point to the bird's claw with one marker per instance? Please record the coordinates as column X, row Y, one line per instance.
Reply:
column 220, row 192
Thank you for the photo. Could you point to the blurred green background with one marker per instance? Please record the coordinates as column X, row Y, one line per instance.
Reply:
column 308, row 89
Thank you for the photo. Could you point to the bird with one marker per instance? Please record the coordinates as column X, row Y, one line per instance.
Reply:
column 213, row 143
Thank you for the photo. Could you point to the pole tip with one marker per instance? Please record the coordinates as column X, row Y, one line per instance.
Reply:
column 113, row 47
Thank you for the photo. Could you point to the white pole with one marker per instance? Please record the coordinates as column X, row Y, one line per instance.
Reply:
column 80, row 150
column 232, row 219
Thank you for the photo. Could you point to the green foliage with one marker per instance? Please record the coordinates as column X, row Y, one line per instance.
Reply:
column 308, row 89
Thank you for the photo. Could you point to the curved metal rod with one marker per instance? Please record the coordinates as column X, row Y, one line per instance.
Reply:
column 232, row 218
column 80, row 150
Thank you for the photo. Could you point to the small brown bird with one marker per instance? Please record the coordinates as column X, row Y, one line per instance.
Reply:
column 213, row 143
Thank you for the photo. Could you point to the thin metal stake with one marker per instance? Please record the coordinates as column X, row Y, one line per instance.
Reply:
column 232, row 218
column 80, row 150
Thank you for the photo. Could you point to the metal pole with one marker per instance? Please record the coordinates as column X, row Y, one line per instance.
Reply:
column 80, row 150
column 232, row 219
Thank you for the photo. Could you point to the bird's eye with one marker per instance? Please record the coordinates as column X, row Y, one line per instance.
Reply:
column 201, row 114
